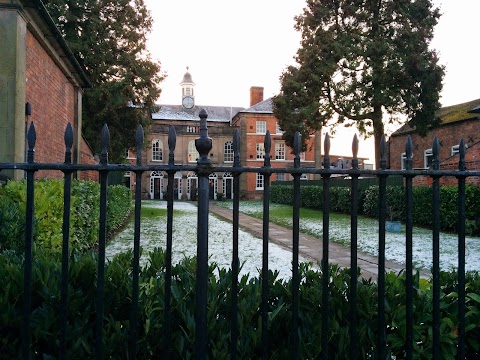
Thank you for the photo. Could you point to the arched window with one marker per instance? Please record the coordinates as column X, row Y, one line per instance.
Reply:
column 228, row 151
column 193, row 154
column 157, row 150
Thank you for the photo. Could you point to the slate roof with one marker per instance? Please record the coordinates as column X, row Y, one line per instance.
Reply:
column 264, row 107
column 450, row 114
column 179, row 113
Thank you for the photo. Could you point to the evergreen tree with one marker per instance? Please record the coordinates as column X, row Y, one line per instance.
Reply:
column 362, row 62
column 109, row 39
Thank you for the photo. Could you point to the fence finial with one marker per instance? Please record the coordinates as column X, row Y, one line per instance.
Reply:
column 408, row 153
column 436, row 151
column 139, row 136
column 172, row 143
column 461, row 149
column 236, row 148
column 203, row 143
column 383, row 153
column 326, row 148
column 105, row 141
column 297, row 148
column 268, row 148
column 31, row 139
column 68, row 138
column 355, row 152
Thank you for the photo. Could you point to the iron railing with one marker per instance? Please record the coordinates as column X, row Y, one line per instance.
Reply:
column 203, row 169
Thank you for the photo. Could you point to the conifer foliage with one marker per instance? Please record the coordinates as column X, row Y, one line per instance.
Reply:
column 362, row 62
column 108, row 37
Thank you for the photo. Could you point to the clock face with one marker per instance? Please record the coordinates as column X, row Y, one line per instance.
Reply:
column 188, row 102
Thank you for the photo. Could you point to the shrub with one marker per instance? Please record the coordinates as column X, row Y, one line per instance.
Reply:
column 48, row 213
column 117, row 302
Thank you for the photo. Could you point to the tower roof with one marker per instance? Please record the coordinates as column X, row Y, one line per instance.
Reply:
column 187, row 78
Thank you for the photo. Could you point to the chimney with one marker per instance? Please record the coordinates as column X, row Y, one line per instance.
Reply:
column 256, row 95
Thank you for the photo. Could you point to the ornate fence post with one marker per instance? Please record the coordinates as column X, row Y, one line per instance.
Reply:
column 203, row 144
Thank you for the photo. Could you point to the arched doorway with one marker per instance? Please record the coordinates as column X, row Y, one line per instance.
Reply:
column 213, row 186
column 227, row 185
column 177, row 185
column 157, row 185
column 192, row 185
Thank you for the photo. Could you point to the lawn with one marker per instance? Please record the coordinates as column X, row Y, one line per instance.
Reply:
column 311, row 223
column 154, row 234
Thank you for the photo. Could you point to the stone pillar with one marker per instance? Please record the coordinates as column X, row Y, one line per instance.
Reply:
column 12, row 86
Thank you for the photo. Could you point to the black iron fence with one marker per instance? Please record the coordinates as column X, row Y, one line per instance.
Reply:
column 204, row 169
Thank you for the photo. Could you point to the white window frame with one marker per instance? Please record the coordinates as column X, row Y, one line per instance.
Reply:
column 261, row 127
column 427, row 154
column 278, row 129
column 228, row 151
column 455, row 150
column 157, row 150
column 403, row 161
column 279, row 150
column 191, row 129
column 259, row 181
column 302, row 156
column 260, row 151
column 193, row 154
column 281, row 177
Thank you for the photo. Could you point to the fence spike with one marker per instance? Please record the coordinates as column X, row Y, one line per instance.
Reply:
column 236, row 148
column 326, row 145
column 31, row 139
column 461, row 149
column 326, row 148
column 105, row 141
column 68, row 137
column 31, row 136
column 436, row 151
column 268, row 148
column 355, row 152
column 297, row 147
column 172, row 143
column 355, row 146
column 408, row 152
column 139, row 136
column 383, row 152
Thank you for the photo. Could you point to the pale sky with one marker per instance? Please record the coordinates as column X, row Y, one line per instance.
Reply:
column 230, row 46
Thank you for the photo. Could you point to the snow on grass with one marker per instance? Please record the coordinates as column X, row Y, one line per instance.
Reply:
column 154, row 234
column 394, row 242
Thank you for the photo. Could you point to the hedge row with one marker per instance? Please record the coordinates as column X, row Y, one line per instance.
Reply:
column 48, row 213
column 312, row 197
column 117, row 302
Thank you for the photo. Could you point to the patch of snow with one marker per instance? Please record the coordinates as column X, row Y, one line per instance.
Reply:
column 154, row 233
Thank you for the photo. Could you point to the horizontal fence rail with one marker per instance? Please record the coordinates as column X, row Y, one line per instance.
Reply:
column 204, row 168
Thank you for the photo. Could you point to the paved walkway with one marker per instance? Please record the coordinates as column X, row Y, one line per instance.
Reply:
column 310, row 247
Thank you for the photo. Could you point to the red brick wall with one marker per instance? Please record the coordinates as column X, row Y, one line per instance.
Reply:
column 448, row 135
column 251, row 140
column 86, row 157
column 52, row 98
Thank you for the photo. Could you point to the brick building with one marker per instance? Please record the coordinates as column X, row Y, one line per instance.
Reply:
column 222, row 121
column 457, row 122
column 39, row 72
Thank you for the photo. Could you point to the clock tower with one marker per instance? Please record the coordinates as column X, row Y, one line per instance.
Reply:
column 188, row 98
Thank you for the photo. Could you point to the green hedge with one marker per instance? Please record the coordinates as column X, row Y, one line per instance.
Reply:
column 48, row 213
column 312, row 197
column 117, row 302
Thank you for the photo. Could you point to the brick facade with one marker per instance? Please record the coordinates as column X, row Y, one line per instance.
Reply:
column 42, row 72
column 449, row 135
column 52, row 98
